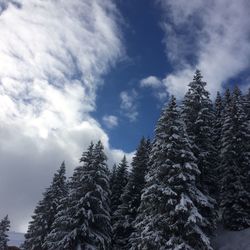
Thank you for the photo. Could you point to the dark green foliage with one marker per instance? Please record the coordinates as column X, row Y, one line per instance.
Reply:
column 197, row 113
column 119, row 182
column 235, row 159
column 84, row 219
column 45, row 212
column 247, row 104
column 169, row 215
column 4, row 228
column 131, row 197
column 217, row 128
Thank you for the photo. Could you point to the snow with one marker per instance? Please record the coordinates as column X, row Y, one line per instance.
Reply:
column 15, row 239
column 232, row 240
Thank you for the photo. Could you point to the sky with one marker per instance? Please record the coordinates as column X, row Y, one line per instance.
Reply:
column 72, row 72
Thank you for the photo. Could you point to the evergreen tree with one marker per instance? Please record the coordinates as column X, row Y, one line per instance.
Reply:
column 84, row 221
column 218, row 120
column 119, row 183
column 112, row 180
column 169, row 212
column 4, row 228
column 247, row 104
column 219, row 109
column 45, row 212
column 131, row 197
column 197, row 113
column 235, row 158
column 65, row 229
column 198, row 116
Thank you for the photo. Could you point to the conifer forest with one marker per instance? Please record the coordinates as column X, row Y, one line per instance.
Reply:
column 192, row 176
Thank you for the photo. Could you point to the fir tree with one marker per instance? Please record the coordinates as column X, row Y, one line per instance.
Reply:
column 219, row 109
column 45, row 212
column 131, row 197
column 198, row 116
column 247, row 104
column 197, row 113
column 4, row 228
column 84, row 220
column 235, row 158
column 169, row 212
column 119, row 183
column 65, row 229
column 218, row 120
column 112, row 178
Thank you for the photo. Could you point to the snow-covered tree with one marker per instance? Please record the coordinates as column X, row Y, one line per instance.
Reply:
column 197, row 112
column 131, row 197
column 65, row 229
column 235, row 160
column 45, row 212
column 247, row 104
column 4, row 228
column 84, row 220
column 218, row 107
column 198, row 115
column 169, row 215
column 218, row 111
column 119, row 182
column 113, row 177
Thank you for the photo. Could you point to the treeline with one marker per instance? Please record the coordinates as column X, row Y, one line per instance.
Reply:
column 4, row 229
column 194, row 174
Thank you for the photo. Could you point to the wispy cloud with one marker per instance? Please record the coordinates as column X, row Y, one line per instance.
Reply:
column 151, row 81
column 52, row 57
column 110, row 121
column 157, row 86
column 128, row 104
column 210, row 35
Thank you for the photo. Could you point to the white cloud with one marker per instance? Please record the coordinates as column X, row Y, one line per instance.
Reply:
column 215, row 34
column 110, row 121
column 128, row 104
column 53, row 54
column 157, row 86
column 151, row 81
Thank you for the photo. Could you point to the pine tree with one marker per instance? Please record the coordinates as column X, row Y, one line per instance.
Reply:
column 219, row 109
column 198, row 116
column 197, row 113
column 45, row 212
column 65, row 229
column 119, row 183
column 247, row 104
column 218, row 120
column 113, row 177
column 235, row 157
column 84, row 221
column 4, row 228
column 131, row 197
column 169, row 212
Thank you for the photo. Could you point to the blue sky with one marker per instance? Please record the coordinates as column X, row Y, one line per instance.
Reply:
column 72, row 72
column 144, row 56
column 146, row 44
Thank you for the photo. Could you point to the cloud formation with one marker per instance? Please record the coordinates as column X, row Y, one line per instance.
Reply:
column 151, row 81
column 128, row 104
column 157, row 86
column 210, row 35
column 52, row 57
column 110, row 121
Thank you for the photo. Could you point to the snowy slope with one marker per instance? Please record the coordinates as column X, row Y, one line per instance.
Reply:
column 232, row 240
column 15, row 239
column 225, row 240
